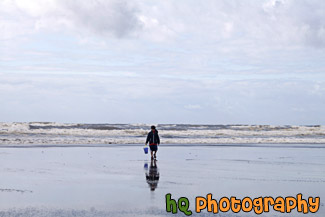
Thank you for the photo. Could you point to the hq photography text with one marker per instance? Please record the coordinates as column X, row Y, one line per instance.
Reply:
column 247, row 204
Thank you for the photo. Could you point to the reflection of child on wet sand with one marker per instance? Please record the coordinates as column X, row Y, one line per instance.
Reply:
column 154, row 141
column 152, row 176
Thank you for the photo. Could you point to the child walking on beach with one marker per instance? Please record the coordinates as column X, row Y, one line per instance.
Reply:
column 154, row 141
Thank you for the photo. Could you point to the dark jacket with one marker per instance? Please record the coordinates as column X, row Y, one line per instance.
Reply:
column 153, row 138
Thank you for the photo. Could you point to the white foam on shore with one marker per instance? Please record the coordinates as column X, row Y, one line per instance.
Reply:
column 57, row 133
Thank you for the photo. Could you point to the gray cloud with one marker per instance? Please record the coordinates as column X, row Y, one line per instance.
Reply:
column 95, row 17
column 101, row 17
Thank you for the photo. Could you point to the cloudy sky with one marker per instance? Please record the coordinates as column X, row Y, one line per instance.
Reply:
column 144, row 61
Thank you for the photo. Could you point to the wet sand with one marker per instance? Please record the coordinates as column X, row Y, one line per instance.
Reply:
column 115, row 181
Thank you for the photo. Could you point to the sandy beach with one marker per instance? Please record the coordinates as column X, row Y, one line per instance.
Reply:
column 111, row 180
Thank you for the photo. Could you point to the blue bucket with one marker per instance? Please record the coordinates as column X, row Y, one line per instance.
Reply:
column 145, row 149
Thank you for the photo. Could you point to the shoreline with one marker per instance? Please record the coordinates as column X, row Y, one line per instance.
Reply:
column 238, row 145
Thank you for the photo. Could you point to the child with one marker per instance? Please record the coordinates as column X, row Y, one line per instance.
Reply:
column 154, row 141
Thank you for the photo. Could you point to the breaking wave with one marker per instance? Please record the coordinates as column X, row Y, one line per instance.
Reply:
column 82, row 133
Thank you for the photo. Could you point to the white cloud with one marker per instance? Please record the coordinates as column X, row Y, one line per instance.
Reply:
column 192, row 106
column 264, row 23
